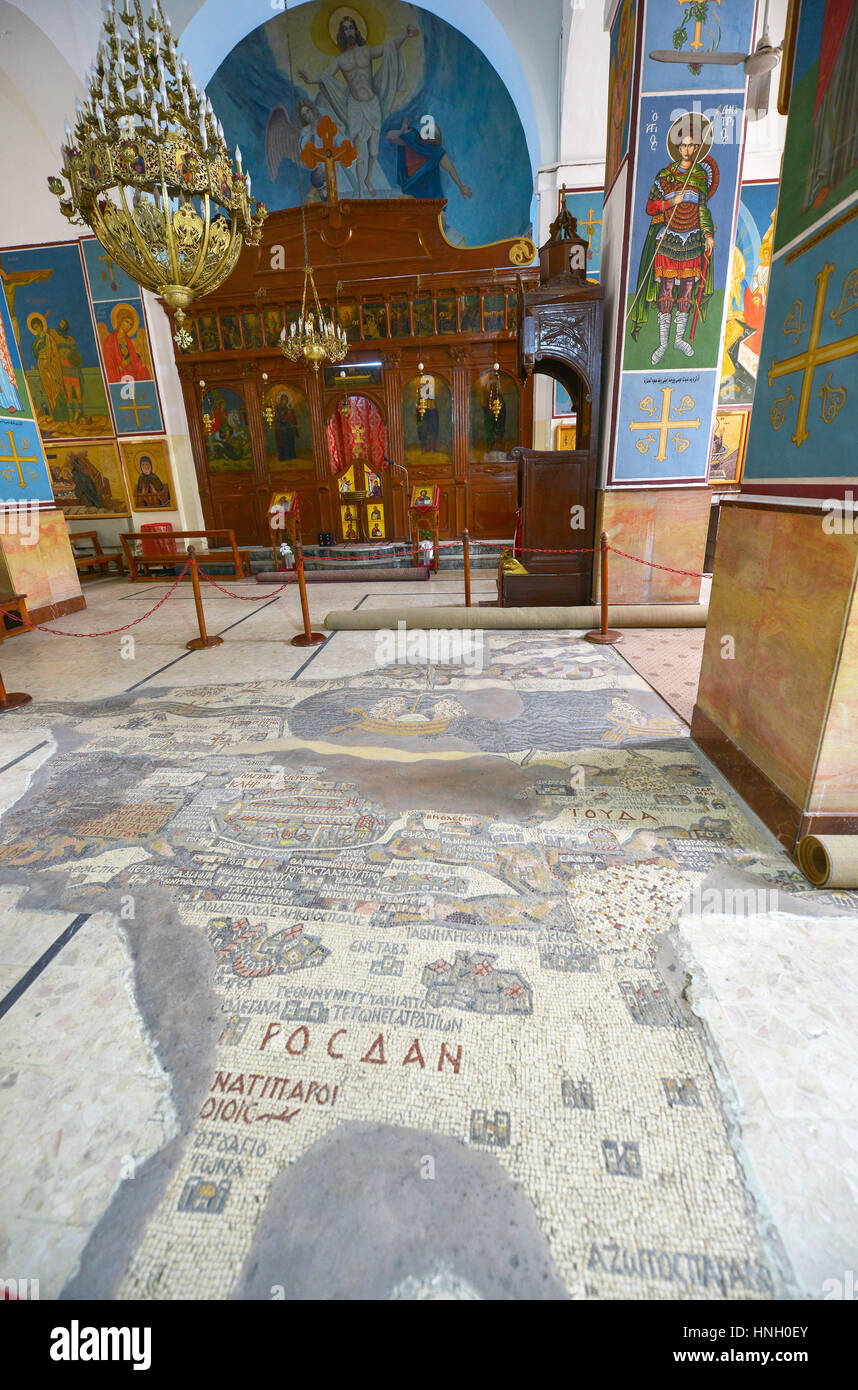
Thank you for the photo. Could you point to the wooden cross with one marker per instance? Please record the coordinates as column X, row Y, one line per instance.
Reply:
column 107, row 274
column 696, row 42
column 136, row 410
column 17, row 459
column 13, row 280
column 813, row 356
column 330, row 155
column 664, row 425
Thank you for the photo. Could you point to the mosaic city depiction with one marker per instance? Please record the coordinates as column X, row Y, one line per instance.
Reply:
column 422, row 903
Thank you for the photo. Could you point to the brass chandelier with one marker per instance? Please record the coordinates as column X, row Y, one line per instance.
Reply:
column 148, row 167
column 312, row 336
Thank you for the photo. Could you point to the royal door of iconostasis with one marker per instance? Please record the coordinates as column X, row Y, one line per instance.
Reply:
column 357, row 455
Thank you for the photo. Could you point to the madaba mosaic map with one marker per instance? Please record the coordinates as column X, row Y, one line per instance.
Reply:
column 410, row 902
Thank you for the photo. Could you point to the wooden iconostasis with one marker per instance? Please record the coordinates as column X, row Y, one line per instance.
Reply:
column 352, row 439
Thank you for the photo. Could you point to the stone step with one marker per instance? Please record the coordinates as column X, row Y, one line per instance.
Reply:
column 386, row 554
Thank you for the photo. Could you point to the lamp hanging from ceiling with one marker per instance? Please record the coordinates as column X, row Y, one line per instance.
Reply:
column 311, row 337
column 148, row 168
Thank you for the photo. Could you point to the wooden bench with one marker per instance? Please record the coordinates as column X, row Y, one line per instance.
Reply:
column 13, row 609
column 98, row 559
column 146, row 551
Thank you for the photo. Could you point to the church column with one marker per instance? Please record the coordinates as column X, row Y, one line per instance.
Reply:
column 394, row 380
column 190, row 377
column 580, row 171
column 261, row 481
column 328, row 502
column 675, row 139
column 778, row 695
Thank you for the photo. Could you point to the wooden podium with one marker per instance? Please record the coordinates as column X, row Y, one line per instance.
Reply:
column 425, row 518
column 550, row 485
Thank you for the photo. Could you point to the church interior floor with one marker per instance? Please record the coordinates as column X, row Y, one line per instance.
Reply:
column 669, row 659
column 327, row 977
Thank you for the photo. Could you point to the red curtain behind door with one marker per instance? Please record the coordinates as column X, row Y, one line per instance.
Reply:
column 356, row 432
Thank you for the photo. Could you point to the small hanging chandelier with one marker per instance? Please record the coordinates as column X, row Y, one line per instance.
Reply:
column 422, row 403
column 495, row 397
column 148, row 168
column 312, row 336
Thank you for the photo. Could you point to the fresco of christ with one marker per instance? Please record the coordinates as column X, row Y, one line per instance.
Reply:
column 363, row 99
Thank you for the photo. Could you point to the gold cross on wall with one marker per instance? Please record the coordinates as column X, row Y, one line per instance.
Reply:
column 813, row 356
column 330, row 155
column 136, row 409
column 17, row 459
column 696, row 42
column 591, row 223
column 664, row 425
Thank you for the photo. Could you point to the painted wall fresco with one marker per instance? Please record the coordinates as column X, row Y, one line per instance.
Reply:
column 620, row 88
column 707, row 26
column 675, row 269
column 806, row 403
column 562, row 401
column 399, row 83
column 747, row 293
column 664, row 425
column 586, row 208
column 148, row 475
column 49, row 306
column 87, row 479
column 681, row 239
column 23, row 469
column 126, row 356
column 820, row 164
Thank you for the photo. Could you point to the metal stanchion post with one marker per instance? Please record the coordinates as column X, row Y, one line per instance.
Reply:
column 197, row 643
column 604, row 634
column 466, row 555
column 12, row 699
column 307, row 638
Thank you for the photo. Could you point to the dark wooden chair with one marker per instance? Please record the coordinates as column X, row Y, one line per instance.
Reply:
column 96, row 559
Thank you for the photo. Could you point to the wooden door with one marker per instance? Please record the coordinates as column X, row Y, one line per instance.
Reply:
column 558, row 502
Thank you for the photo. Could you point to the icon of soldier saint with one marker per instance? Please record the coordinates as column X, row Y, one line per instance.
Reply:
column 676, row 266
